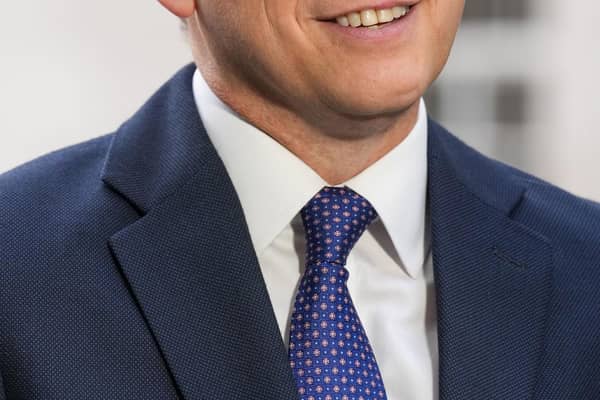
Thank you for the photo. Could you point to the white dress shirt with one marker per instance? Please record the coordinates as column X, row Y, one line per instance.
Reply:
column 390, row 267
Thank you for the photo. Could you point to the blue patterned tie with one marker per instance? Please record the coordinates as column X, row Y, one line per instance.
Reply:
column 329, row 351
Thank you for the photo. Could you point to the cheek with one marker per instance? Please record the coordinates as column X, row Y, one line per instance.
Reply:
column 445, row 18
column 235, row 26
column 289, row 53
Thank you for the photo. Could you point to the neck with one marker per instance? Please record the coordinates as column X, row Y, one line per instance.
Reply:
column 337, row 147
column 334, row 157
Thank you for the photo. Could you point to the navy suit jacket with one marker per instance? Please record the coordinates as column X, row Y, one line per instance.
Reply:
column 127, row 272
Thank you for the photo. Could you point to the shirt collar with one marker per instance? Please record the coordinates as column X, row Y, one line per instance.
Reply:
column 273, row 184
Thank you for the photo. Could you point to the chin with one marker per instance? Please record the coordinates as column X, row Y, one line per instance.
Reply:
column 379, row 100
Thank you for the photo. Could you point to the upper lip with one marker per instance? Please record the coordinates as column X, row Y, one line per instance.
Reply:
column 367, row 5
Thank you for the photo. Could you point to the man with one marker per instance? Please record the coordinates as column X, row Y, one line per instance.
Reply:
column 166, row 260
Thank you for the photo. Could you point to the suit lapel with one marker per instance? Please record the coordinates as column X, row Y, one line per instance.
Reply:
column 493, row 276
column 189, row 260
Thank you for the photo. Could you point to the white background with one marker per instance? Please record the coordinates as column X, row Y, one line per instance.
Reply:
column 71, row 70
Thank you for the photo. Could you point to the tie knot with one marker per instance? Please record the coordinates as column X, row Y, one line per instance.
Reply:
column 334, row 219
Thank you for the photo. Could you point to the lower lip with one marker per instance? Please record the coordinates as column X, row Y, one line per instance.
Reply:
column 394, row 29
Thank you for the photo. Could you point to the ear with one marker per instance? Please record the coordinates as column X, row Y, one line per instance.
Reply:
column 181, row 8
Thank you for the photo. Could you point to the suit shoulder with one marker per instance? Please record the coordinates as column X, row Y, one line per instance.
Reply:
column 46, row 166
column 567, row 219
column 553, row 211
column 55, row 201
column 51, row 182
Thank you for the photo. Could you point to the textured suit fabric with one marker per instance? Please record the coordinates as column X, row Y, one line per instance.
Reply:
column 127, row 272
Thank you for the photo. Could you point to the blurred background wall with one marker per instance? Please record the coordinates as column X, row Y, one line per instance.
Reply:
column 521, row 84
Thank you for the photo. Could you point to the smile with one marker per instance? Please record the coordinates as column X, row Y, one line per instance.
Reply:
column 372, row 18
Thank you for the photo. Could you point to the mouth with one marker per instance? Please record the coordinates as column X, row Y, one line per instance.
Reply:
column 371, row 18
column 395, row 25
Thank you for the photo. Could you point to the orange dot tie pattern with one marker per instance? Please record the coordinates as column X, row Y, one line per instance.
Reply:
column 329, row 351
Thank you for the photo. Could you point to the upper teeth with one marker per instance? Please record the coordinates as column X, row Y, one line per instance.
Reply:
column 372, row 17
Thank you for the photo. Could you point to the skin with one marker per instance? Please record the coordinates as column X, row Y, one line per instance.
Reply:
column 339, row 105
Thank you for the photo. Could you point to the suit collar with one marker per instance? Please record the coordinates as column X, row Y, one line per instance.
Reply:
column 189, row 260
column 191, row 266
column 161, row 147
column 492, row 182
column 254, row 159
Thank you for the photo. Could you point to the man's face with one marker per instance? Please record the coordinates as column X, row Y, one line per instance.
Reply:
column 290, row 50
